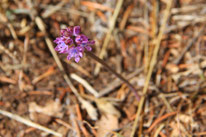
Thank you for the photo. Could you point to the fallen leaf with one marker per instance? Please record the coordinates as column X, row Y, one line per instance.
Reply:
column 91, row 110
column 52, row 108
column 40, row 118
column 203, row 64
column 172, row 68
column 106, row 124
column 107, row 107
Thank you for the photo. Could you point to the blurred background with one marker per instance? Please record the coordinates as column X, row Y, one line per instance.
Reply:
column 158, row 45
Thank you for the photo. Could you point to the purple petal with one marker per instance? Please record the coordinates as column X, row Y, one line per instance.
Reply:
column 63, row 32
column 92, row 42
column 88, row 48
column 69, row 31
column 75, row 52
column 61, row 48
column 77, row 59
column 80, row 48
column 80, row 39
column 56, row 48
column 58, row 40
column 69, row 57
column 68, row 40
column 81, row 54
column 76, row 30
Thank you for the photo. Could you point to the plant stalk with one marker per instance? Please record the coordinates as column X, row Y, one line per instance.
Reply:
column 114, row 72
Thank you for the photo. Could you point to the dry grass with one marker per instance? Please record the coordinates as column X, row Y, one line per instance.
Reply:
column 159, row 46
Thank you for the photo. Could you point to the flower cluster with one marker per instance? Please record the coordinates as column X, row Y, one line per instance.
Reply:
column 73, row 43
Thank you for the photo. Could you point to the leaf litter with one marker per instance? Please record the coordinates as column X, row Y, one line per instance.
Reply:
column 35, row 92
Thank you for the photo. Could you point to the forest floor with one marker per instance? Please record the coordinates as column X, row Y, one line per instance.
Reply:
column 158, row 45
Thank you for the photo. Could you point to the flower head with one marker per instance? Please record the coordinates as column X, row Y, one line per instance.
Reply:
column 73, row 43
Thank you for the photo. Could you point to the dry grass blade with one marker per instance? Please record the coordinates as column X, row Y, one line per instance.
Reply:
column 187, row 8
column 64, row 124
column 162, row 96
column 160, row 119
column 78, row 68
column 138, row 29
column 152, row 63
column 108, row 36
column 116, row 83
column 126, row 15
column 85, row 84
column 13, row 32
column 52, row 10
column 7, row 80
column 188, row 46
column 96, row 5
column 7, row 52
column 158, row 130
column 49, row 72
column 200, row 134
column 29, row 123
column 77, row 128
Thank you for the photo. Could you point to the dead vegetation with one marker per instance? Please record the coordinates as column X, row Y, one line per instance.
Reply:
column 159, row 46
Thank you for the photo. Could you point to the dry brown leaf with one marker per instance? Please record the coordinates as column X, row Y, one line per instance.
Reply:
column 174, row 52
column 188, row 120
column 52, row 108
column 172, row 68
column 177, row 129
column 63, row 130
column 91, row 110
column 194, row 69
column 185, row 118
column 106, row 124
column 203, row 64
column 109, row 119
column 107, row 107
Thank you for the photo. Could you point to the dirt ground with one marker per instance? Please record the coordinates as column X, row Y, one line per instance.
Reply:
column 159, row 46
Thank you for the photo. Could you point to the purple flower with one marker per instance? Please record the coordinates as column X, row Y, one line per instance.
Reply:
column 73, row 43
column 61, row 47
column 76, row 53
